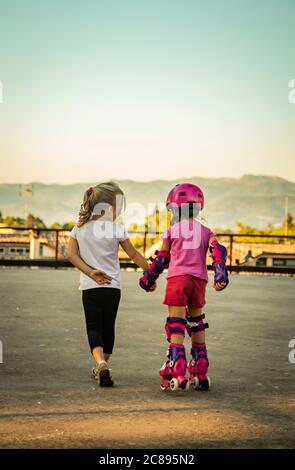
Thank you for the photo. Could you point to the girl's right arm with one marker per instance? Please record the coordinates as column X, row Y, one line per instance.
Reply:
column 134, row 254
column 159, row 263
column 74, row 257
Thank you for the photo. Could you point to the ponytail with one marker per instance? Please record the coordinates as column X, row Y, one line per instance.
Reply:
column 85, row 208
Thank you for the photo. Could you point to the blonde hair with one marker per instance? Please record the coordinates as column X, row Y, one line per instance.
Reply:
column 103, row 193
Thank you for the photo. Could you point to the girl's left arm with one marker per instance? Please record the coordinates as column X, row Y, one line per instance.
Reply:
column 218, row 255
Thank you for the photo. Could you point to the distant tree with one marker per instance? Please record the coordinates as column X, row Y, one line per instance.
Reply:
column 33, row 221
column 289, row 222
column 18, row 221
column 68, row 225
column 222, row 230
column 269, row 229
column 56, row 225
column 247, row 229
column 10, row 221
column 137, row 239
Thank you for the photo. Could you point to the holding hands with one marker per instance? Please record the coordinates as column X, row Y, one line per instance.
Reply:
column 150, row 275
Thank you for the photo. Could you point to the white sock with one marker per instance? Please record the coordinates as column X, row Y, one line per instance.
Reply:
column 100, row 363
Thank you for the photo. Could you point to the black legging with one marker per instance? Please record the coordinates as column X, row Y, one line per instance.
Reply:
column 100, row 307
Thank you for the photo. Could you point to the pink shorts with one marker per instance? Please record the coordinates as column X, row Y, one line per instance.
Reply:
column 185, row 290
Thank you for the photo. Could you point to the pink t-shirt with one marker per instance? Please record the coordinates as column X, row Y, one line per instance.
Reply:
column 189, row 241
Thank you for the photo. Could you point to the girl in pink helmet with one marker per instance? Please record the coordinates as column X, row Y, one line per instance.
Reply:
column 184, row 250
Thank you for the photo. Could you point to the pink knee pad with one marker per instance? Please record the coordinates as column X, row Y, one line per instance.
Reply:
column 175, row 326
column 196, row 324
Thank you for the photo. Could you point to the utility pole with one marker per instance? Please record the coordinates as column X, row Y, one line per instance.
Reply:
column 286, row 214
column 26, row 191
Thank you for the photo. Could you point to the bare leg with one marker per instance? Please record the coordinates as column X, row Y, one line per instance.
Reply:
column 98, row 354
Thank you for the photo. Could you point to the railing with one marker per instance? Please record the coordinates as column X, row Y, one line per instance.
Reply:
column 232, row 237
column 60, row 260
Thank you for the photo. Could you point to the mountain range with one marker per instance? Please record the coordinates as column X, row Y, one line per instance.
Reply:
column 255, row 200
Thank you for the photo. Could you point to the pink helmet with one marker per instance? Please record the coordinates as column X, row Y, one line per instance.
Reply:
column 185, row 193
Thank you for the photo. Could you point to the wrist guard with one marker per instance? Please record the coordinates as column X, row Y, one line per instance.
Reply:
column 158, row 265
column 219, row 254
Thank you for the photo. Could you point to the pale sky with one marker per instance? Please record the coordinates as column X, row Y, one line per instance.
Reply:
column 143, row 90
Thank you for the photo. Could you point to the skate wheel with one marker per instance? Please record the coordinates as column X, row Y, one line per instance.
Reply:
column 196, row 383
column 187, row 386
column 163, row 388
column 174, row 384
column 204, row 385
column 94, row 373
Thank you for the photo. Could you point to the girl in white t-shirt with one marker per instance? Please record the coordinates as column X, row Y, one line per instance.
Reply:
column 93, row 249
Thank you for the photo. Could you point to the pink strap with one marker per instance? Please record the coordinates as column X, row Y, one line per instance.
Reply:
column 164, row 253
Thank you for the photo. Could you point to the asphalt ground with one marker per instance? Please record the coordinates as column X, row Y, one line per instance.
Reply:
column 49, row 400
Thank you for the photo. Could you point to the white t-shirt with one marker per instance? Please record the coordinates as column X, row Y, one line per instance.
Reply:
column 98, row 246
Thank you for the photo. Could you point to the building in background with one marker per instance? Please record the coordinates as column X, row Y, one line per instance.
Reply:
column 31, row 244
column 268, row 259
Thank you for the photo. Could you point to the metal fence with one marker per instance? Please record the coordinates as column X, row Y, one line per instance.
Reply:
column 57, row 240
